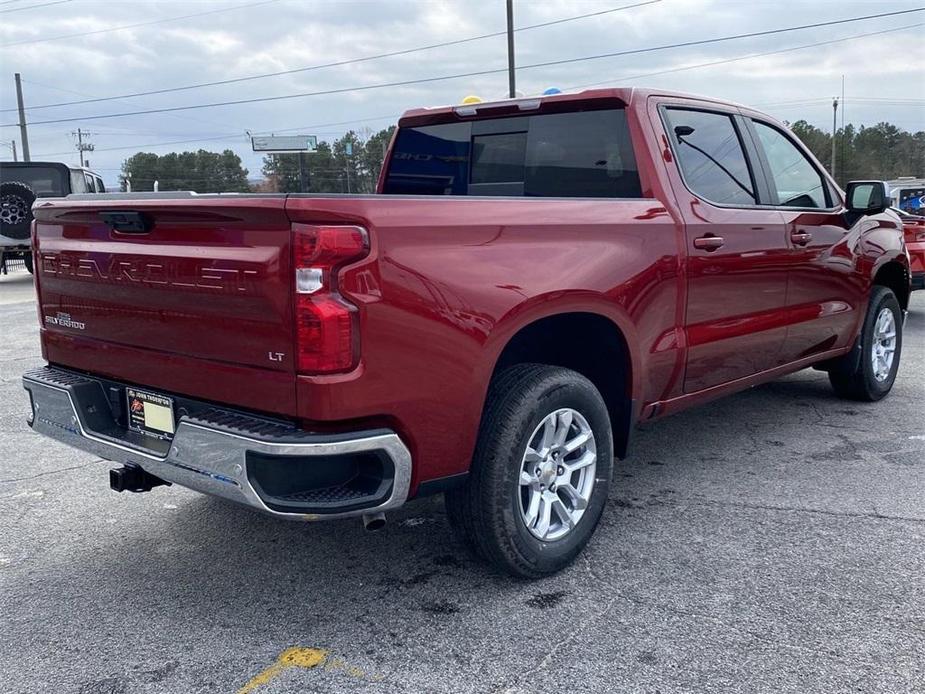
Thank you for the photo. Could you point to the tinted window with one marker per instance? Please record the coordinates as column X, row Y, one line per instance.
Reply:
column 430, row 160
column 795, row 179
column 586, row 154
column 711, row 157
column 100, row 188
column 498, row 158
column 44, row 181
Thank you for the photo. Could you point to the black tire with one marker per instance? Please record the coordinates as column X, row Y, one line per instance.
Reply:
column 852, row 376
column 486, row 512
column 16, row 210
column 27, row 261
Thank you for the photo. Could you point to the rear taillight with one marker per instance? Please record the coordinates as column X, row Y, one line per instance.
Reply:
column 327, row 334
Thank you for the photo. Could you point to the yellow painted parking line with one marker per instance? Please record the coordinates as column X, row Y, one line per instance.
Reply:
column 305, row 658
column 292, row 657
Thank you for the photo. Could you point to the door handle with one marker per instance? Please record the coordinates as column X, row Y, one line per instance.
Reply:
column 709, row 242
column 800, row 238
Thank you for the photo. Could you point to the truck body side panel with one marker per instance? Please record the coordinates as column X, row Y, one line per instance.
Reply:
column 450, row 280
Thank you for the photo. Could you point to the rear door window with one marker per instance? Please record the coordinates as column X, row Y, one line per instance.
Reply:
column 711, row 156
column 581, row 154
column 795, row 180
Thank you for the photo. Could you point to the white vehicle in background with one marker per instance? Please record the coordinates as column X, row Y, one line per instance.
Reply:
column 908, row 194
column 21, row 183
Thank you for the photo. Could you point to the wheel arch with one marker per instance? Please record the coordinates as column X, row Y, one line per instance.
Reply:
column 589, row 338
column 894, row 274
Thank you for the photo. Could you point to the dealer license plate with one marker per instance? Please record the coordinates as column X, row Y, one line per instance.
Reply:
column 150, row 413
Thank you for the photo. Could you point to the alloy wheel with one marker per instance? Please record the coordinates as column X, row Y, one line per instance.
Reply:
column 557, row 474
column 883, row 348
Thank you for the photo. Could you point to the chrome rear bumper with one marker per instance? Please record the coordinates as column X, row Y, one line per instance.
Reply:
column 219, row 452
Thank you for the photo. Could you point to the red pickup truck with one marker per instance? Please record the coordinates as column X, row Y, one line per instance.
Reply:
column 533, row 278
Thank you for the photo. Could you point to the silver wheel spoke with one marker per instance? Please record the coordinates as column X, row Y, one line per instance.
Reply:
column 577, row 442
column 563, row 513
column 563, row 424
column 549, row 433
column 545, row 518
column 526, row 478
column 584, row 461
column 575, row 499
column 533, row 510
column 532, row 456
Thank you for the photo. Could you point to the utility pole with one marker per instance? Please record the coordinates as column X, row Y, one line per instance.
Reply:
column 83, row 146
column 512, row 91
column 834, row 131
column 13, row 145
column 22, row 120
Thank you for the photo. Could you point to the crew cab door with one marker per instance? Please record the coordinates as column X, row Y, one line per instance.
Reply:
column 737, row 251
column 823, row 292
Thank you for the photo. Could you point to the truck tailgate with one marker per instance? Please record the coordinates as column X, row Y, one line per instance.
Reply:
column 197, row 302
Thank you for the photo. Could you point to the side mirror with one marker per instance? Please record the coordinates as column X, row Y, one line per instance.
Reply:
column 867, row 197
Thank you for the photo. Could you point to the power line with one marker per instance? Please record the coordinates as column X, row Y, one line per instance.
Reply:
column 227, row 138
column 339, row 63
column 625, row 78
column 477, row 73
column 140, row 24
column 903, row 101
column 35, row 7
column 172, row 115
column 748, row 57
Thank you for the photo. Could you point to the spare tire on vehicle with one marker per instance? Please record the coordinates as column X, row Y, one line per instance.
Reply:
column 16, row 210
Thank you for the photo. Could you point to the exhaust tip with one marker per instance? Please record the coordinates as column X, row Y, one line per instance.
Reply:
column 374, row 521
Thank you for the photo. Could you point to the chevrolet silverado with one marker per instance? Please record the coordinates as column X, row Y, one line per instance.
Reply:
column 533, row 278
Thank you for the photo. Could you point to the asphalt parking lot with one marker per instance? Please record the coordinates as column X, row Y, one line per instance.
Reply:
column 773, row 541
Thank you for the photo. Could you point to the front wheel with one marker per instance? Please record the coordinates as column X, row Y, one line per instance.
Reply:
column 869, row 370
column 541, row 471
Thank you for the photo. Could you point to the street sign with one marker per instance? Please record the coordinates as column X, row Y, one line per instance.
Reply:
column 284, row 143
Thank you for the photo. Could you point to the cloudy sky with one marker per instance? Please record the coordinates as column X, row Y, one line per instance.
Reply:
column 74, row 50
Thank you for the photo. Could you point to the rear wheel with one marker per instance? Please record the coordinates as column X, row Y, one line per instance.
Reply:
column 869, row 370
column 27, row 261
column 540, row 474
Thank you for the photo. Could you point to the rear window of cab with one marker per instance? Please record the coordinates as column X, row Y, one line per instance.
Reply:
column 579, row 154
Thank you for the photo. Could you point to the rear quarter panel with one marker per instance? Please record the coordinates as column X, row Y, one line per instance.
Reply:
column 450, row 280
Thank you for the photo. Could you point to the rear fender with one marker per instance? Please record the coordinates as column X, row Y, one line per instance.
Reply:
column 554, row 304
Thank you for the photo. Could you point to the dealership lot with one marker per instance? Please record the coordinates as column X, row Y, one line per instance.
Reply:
column 772, row 541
